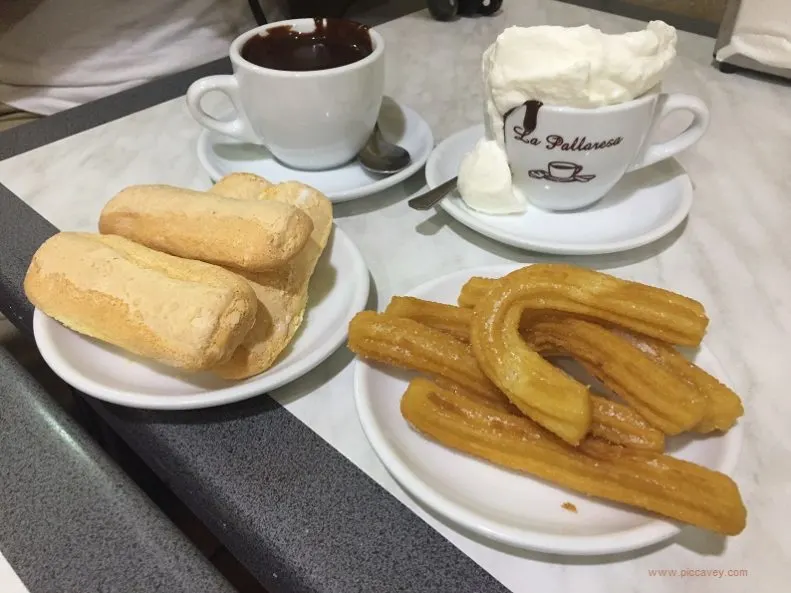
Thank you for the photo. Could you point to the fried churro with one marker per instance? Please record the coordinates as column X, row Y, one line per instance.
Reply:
column 621, row 425
column 474, row 290
column 494, row 395
column 541, row 391
column 409, row 345
column 666, row 401
column 722, row 408
column 676, row 489
column 614, row 422
column 460, row 372
column 448, row 318
column 643, row 309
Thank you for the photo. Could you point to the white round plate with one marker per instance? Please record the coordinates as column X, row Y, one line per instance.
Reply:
column 221, row 155
column 643, row 207
column 338, row 290
column 506, row 506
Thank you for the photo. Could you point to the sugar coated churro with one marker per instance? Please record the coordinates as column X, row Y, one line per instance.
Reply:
column 493, row 390
column 655, row 482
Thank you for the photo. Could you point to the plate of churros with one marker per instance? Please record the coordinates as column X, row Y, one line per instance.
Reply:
column 189, row 299
column 552, row 408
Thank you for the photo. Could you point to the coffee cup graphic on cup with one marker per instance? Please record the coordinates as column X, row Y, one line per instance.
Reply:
column 561, row 172
column 565, row 158
column 309, row 90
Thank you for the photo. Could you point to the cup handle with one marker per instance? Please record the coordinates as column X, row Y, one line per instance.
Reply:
column 229, row 86
column 693, row 133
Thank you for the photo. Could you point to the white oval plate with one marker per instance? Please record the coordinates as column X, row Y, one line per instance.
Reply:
column 505, row 506
column 644, row 206
column 221, row 155
column 338, row 290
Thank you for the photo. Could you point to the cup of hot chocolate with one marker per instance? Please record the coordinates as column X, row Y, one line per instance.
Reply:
column 567, row 158
column 568, row 112
column 309, row 90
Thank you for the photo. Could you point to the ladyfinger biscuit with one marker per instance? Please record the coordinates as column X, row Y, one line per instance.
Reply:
column 242, row 234
column 183, row 313
column 282, row 293
column 241, row 186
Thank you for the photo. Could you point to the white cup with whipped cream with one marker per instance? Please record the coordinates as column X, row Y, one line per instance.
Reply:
column 568, row 112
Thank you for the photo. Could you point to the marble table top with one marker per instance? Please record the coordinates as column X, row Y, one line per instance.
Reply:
column 733, row 254
column 9, row 580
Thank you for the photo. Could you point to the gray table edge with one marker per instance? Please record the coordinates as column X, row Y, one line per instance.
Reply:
column 73, row 521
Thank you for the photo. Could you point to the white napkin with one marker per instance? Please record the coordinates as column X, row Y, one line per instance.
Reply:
column 9, row 581
column 762, row 32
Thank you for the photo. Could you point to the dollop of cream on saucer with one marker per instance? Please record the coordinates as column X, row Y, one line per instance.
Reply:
column 485, row 181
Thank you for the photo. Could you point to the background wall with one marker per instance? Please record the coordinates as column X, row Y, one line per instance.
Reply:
column 697, row 16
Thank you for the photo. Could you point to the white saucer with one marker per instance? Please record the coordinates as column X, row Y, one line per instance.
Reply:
column 506, row 506
column 338, row 290
column 643, row 207
column 221, row 155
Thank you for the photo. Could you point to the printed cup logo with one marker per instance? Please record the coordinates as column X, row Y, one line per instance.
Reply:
column 561, row 172
column 580, row 144
column 556, row 171
column 529, row 123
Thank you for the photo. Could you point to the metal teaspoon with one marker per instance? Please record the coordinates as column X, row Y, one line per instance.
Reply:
column 383, row 157
column 427, row 200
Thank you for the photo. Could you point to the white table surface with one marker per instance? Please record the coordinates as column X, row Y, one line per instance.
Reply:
column 734, row 254
column 9, row 581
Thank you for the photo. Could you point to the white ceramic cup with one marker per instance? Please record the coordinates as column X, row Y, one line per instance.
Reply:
column 312, row 120
column 565, row 158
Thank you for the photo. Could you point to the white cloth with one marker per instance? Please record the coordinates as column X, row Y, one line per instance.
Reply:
column 56, row 54
column 762, row 32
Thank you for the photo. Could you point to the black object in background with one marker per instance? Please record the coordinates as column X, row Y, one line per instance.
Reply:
column 318, row 8
column 304, row 8
column 443, row 10
column 446, row 10
column 469, row 7
column 488, row 8
column 258, row 12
